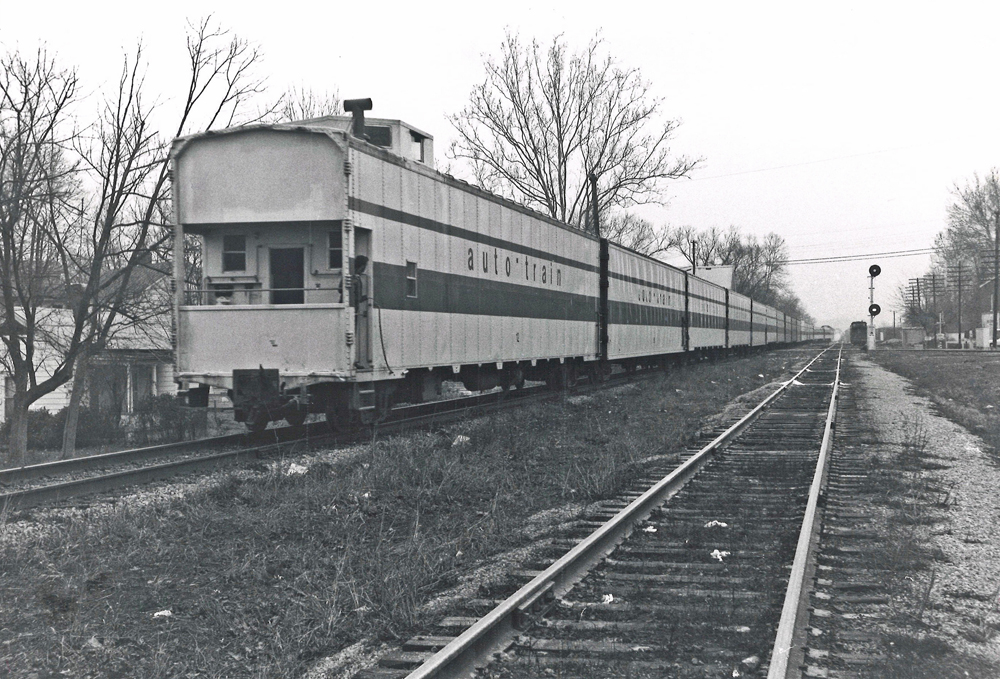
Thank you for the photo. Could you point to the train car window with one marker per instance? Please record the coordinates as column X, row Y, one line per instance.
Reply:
column 411, row 279
column 234, row 253
column 379, row 135
column 417, row 141
column 336, row 249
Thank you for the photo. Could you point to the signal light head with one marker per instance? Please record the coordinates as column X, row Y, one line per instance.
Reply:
column 874, row 270
column 874, row 310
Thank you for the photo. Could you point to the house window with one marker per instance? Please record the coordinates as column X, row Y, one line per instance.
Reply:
column 336, row 250
column 411, row 279
column 234, row 253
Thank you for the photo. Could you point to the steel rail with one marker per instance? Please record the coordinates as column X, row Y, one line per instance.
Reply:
column 493, row 632
column 399, row 419
column 794, row 606
column 33, row 497
column 56, row 467
column 408, row 415
column 286, row 436
column 282, row 434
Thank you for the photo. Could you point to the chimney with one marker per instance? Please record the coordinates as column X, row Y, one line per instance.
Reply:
column 357, row 108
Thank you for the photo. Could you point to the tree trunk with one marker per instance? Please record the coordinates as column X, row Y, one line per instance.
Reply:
column 17, row 445
column 73, row 409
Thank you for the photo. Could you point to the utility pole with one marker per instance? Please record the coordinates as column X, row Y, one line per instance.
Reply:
column 956, row 281
column 593, row 205
column 996, row 274
column 933, row 293
column 959, row 305
column 694, row 258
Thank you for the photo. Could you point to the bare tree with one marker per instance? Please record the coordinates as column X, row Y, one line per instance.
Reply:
column 635, row 233
column 82, row 211
column 545, row 118
column 127, row 227
column 973, row 236
column 304, row 104
column 760, row 266
column 36, row 182
column 712, row 247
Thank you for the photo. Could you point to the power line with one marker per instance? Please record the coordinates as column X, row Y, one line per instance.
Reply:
column 807, row 162
column 853, row 258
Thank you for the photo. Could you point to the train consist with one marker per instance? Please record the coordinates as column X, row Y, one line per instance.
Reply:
column 859, row 334
column 341, row 272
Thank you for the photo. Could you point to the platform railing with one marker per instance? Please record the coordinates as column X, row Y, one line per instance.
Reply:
column 253, row 296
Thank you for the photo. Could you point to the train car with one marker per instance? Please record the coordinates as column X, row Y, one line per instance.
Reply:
column 758, row 324
column 341, row 271
column 859, row 334
column 646, row 306
column 707, row 314
column 457, row 282
column 770, row 322
column 739, row 320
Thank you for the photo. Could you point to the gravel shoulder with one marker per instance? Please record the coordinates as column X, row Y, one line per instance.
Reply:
column 963, row 601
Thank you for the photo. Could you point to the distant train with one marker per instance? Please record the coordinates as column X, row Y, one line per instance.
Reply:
column 341, row 272
column 859, row 334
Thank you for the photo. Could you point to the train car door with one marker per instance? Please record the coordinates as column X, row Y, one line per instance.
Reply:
column 727, row 317
column 287, row 275
column 363, row 297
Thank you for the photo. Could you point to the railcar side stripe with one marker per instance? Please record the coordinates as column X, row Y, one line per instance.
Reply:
column 451, row 293
column 392, row 214
column 395, row 215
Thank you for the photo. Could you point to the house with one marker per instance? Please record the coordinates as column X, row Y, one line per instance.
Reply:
column 137, row 362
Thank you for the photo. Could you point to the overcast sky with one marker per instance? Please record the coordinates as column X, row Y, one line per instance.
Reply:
column 842, row 127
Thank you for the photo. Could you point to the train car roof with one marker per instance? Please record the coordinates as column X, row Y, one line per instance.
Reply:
column 341, row 136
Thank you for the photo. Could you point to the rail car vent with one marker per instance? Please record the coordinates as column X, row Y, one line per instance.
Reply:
column 357, row 108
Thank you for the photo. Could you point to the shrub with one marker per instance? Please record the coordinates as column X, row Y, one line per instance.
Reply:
column 96, row 427
column 44, row 430
column 161, row 419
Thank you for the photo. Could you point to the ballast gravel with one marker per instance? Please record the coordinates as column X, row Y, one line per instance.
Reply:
column 964, row 598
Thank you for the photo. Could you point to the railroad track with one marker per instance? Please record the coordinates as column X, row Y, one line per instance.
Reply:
column 50, row 482
column 47, row 483
column 716, row 582
column 850, row 569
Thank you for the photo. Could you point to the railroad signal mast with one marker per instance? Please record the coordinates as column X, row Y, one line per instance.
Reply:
column 873, row 308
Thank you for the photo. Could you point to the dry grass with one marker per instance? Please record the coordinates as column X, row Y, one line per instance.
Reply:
column 264, row 572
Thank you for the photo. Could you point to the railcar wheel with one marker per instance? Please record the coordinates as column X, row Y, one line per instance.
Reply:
column 561, row 377
column 572, row 376
column 295, row 418
column 257, row 420
column 340, row 420
column 513, row 378
column 598, row 372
